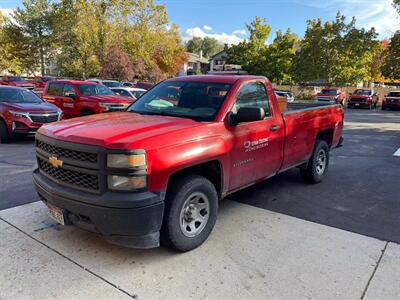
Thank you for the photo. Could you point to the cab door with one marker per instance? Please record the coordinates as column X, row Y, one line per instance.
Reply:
column 257, row 147
column 68, row 98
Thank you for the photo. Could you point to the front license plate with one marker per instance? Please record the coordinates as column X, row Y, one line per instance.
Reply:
column 357, row 104
column 56, row 214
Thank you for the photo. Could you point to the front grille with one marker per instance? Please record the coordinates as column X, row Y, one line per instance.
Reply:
column 358, row 100
column 66, row 153
column 71, row 177
column 44, row 118
column 392, row 100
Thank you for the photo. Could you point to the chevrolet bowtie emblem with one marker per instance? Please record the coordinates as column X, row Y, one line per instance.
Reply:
column 55, row 162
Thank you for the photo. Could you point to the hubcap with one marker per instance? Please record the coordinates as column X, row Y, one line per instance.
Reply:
column 321, row 162
column 194, row 214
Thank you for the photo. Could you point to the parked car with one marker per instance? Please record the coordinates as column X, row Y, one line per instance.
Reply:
column 128, row 92
column 391, row 100
column 17, row 81
column 22, row 112
column 144, row 85
column 158, row 170
column 363, row 98
column 108, row 83
column 80, row 98
column 331, row 94
column 289, row 95
column 128, row 84
column 40, row 81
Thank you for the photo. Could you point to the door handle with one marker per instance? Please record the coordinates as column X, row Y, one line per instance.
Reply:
column 275, row 128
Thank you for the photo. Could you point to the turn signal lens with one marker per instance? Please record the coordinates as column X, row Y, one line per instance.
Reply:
column 126, row 183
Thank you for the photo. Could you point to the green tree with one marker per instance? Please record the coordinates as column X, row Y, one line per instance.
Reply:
column 32, row 34
column 335, row 51
column 279, row 57
column 396, row 4
column 209, row 46
column 391, row 67
column 250, row 54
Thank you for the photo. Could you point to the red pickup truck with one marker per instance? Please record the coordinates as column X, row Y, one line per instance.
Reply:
column 81, row 98
column 157, row 171
column 331, row 94
column 22, row 112
column 363, row 98
column 391, row 100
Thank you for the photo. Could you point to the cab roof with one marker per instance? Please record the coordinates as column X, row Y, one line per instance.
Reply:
column 230, row 79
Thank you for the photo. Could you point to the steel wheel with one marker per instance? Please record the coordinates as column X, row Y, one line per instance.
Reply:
column 321, row 162
column 194, row 214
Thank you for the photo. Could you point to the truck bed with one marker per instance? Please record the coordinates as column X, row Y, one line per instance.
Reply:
column 295, row 106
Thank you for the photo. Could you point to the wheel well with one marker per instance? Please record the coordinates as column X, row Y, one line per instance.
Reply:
column 211, row 170
column 326, row 135
column 87, row 110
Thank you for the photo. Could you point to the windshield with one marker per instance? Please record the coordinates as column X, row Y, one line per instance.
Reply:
column 363, row 92
column 137, row 94
column 16, row 78
column 18, row 96
column 394, row 94
column 199, row 101
column 94, row 89
column 329, row 91
column 112, row 83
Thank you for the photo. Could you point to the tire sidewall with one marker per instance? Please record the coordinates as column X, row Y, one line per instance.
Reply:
column 189, row 186
column 321, row 145
column 4, row 135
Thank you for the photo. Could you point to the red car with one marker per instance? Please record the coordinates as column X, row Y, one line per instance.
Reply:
column 80, row 98
column 331, row 94
column 144, row 85
column 363, row 98
column 41, row 81
column 22, row 112
column 391, row 100
column 157, row 171
column 17, row 81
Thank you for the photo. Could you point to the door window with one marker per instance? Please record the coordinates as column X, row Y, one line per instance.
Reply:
column 68, row 89
column 253, row 95
column 55, row 89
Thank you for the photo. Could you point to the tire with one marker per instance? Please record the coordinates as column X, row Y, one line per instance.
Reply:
column 375, row 104
column 383, row 107
column 86, row 112
column 179, row 231
column 4, row 135
column 315, row 170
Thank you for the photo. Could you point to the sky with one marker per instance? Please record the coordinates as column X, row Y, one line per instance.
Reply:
column 225, row 19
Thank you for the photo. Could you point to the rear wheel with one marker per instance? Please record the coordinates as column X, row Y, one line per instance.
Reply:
column 4, row 135
column 318, row 163
column 190, row 213
column 383, row 107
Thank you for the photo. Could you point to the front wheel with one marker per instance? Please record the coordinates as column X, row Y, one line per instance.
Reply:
column 191, row 208
column 318, row 163
column 4, row 135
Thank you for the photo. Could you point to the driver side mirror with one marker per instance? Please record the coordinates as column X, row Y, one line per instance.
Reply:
column 70, row 95
column 247, row 114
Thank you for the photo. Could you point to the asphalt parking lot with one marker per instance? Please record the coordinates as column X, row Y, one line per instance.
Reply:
column 279, row 239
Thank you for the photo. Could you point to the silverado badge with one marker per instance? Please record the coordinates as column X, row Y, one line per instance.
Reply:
column 55, row 162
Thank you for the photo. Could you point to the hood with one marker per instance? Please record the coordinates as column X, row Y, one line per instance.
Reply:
column 21, row 83
column 327, row 95
column 109, row 99
column 120, row 129
column 39, row 107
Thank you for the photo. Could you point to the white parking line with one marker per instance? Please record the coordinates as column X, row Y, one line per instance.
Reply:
column 397, row 153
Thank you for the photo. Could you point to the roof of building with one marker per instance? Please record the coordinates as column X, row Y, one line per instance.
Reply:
column 193, row 57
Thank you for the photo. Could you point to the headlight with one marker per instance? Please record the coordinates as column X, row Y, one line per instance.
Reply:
column 126, row 183
column 126, row 160
column 19, row 114
column 105, row 105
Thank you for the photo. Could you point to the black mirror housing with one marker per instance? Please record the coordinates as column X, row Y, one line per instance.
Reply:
column 247, row 114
